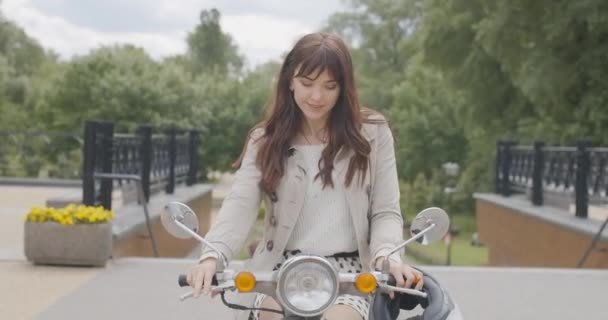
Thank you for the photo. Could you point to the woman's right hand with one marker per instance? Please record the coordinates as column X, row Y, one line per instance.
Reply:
column 201, row 275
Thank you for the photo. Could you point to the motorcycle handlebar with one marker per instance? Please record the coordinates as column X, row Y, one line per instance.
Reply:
column 182, row 280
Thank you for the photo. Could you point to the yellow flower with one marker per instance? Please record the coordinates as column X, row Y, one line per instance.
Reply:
column 70, row 214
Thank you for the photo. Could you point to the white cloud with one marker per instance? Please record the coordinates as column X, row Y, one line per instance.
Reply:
column 263, row 37
column 68, row 39
column 263, row 30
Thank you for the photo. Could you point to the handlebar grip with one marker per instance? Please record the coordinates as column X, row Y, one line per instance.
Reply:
column 407, row 302
column 393, row 282
column 182, row 280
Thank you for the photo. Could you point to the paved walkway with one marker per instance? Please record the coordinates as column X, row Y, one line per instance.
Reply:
column 145, row 288
column 140, row 288
column 27, row 289
column 36, row 288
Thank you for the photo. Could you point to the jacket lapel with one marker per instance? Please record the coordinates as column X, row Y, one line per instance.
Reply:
column 357, row 201
column 296, row 187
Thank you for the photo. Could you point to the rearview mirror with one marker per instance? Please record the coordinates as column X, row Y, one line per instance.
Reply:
column 177, row 211
column 425, row 219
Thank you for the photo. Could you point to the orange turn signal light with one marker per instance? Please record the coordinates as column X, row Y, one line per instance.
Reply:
column 366, row 283
column 244, row 281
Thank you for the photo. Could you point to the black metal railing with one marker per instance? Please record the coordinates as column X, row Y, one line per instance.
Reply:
column 160, row 160
column 581, row 171
column 598, row 174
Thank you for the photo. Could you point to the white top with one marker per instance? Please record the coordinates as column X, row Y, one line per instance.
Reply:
column 324, row 213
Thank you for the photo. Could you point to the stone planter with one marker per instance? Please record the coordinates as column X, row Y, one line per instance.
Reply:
column 78, row 244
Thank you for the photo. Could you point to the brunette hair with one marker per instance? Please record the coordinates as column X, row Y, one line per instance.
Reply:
column 313, row 53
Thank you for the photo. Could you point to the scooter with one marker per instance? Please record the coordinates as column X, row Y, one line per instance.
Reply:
column 306, row 285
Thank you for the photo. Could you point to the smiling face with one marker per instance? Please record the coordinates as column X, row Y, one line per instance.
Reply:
column 308, row 107
column 316, row 95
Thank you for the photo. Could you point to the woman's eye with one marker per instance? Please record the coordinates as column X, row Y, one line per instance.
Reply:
column 306, row 84
column 331, row 87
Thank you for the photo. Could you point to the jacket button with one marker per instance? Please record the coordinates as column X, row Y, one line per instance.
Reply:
column 269, row 245
column 273, row 197
column 273, row 221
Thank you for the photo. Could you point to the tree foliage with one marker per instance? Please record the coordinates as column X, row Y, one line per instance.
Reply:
column 210, row 49
column 456, row 75
column 205, row 88
column 528, row 70
column 21, row 57
column 531, row 68
column 24, row 71
column 453, row 76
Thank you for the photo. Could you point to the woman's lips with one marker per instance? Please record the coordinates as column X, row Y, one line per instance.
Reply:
column 313, row 106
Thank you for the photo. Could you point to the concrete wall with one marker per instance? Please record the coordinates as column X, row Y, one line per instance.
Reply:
column 138, row 243
column 130, row 234
column 519, row 234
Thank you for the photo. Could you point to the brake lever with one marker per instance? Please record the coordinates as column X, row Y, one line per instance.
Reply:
column 413, row 292
column 214, row 289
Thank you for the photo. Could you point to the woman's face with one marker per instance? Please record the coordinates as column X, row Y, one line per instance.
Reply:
column 315, row 97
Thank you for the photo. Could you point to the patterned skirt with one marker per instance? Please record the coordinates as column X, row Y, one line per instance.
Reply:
column 344, row 263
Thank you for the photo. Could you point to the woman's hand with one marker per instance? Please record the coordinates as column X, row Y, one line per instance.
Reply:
column 404, row 274
column 201, row 275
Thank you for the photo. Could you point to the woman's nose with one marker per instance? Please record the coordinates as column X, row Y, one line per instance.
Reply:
column 316, row 94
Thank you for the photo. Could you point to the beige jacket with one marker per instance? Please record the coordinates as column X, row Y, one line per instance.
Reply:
column 373, row 205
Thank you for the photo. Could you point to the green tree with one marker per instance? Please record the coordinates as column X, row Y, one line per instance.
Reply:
column 527, row 69
column 204, row 89
column 233, row 107
column 426, row 122
column 23, row 53
column 21, row 57
column 210, row 49
column 23, row 65
column 393, row 78
column 418, row 194
column 530, row 68
column 378, row 32
column 117, row 84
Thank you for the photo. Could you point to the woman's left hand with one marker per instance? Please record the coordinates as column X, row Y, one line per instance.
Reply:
column 404, row 274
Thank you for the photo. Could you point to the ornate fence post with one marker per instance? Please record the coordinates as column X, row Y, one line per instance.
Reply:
column 171, row 133
column 505, row 187
column 145, row 157
column 106, row 155
column 583, row 166
column 537, row 173
column 497, row 178
column 193, row 161
column 88, row 181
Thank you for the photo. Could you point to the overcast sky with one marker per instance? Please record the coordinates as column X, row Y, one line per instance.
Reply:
column 263, row 29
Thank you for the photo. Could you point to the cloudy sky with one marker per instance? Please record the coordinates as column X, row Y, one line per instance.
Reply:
column 263, row 29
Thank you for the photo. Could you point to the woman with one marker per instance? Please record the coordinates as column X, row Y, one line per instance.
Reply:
column 326, row 172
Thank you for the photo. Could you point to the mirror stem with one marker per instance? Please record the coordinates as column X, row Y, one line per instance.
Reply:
column 418, row 235
column 205, row 242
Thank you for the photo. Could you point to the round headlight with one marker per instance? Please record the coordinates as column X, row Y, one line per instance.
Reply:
column 307, row 285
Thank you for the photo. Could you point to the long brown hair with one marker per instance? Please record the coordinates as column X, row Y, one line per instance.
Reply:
column 313, row 53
